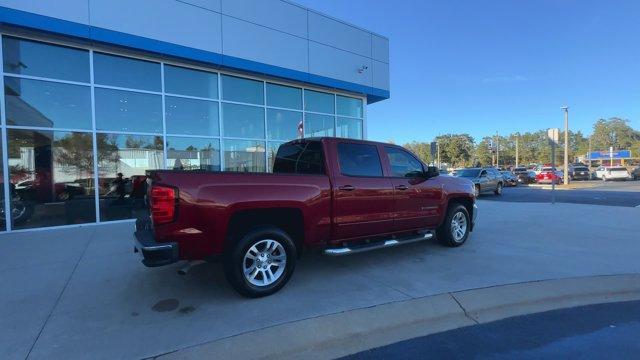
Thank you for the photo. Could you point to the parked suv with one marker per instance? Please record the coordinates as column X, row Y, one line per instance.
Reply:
column 579, row 173
column 484, row 179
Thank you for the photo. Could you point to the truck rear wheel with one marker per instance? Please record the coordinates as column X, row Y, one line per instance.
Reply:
column 261, row 262
column 454, row 231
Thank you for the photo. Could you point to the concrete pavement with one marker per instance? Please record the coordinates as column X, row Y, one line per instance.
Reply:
column 81, row 292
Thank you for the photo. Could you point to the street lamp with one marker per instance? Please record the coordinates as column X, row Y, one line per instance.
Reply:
column 566, row 144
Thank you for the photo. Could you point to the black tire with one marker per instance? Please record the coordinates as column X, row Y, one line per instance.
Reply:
column 445, row 232
column 235, row 257
column 498, row 190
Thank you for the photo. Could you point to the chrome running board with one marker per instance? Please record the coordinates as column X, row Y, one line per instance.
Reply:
column 348, row 250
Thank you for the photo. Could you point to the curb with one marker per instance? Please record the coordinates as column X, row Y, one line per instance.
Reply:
column 348, row 332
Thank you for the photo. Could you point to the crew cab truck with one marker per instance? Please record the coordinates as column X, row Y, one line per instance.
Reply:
column 337, row 196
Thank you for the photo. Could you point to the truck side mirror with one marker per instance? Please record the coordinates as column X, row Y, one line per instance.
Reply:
column 432, row 171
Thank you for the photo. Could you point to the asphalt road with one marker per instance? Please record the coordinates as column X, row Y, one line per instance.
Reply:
column 588, row 332
column 619, row 193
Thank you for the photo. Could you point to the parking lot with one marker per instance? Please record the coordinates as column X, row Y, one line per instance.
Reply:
column 81, row 292
column 594, row 192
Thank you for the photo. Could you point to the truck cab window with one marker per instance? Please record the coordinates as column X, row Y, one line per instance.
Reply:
column 359, row 160
column 300, row 158
column 403, row 164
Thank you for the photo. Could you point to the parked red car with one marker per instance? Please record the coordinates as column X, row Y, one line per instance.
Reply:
column 339, row 196
column 549, row 175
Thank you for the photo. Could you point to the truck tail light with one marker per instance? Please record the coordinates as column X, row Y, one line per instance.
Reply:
column 163, row 204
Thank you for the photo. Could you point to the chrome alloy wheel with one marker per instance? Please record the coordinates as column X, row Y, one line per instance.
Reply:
column 458, row 226
column 264, row 262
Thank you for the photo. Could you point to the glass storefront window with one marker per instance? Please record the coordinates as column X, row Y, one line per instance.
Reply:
column 209, row 119
column 3, row 226
column 51, row 176
column 122, row 162
column 283, row 124
column 47, row 104
column 34, row 58
column 284, row 96
column 243, row 121
column 318, row 125
column 272, row 150
column 187, row 153
column 319, row 102
column 348, row 106
column 190, row 82
column 244, row 156
column 191, row 117
column 119, row 110
column 125, row 72
column 349, row 128
column 242, row 90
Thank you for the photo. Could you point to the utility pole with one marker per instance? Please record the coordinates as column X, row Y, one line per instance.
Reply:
column 497, row 151
column 566, row 145
column 517, row 137
column 439, row 164
column 589, row 154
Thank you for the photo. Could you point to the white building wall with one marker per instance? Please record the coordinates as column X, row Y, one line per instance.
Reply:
column 273, row 32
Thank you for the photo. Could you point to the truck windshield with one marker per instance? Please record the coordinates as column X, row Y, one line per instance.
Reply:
column 299, row 158
column 468, row 173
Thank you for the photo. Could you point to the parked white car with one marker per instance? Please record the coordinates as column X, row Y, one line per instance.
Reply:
column 612, row 173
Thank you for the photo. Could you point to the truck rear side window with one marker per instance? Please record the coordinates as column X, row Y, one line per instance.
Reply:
column 359, row 160
column 300, row 158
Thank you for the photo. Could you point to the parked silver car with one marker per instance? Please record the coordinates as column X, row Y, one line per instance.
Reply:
column 484, row 179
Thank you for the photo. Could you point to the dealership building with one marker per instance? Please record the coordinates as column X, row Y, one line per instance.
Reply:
column 96, row 92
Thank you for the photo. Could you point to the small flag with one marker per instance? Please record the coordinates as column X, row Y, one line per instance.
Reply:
column 300, row 130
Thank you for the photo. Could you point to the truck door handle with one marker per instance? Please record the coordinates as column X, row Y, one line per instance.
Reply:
column 347, row 187
column 402, row 187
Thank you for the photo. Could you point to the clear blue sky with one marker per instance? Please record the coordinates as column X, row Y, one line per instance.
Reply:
column 480, row 66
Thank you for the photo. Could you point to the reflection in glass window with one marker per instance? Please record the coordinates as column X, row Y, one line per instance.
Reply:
column 318, row 125
column 190, row 82
column 35, row 58
column 242, row 90
column 403, row 164
column 47, row 104
column 283, row 124
column 284, row 96
column 348, row 106
column 243, row 121
column 244, row 156
column 51, row 176
column 319, row 102
column 349, row 128
column 187, row 153
column 122, row 162
column 191, row 116
column 126, row 72
column 359, row 160
column 272, row 150
column 119, row 110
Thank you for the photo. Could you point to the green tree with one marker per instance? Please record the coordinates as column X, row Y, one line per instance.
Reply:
column 421, row 149
column 456, row 149
column 614, row 132
column 483, row 155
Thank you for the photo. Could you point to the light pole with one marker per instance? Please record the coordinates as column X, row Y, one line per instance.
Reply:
column 517, row 138
column 497, row 151
column 566, row 145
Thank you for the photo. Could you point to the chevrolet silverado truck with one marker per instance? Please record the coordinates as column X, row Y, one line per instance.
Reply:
column 336, row 196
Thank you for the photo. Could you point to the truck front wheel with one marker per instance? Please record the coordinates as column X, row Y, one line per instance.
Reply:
column 261, row 262
column 454, row 231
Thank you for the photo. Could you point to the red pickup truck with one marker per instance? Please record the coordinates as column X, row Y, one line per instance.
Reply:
column 338, row 196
